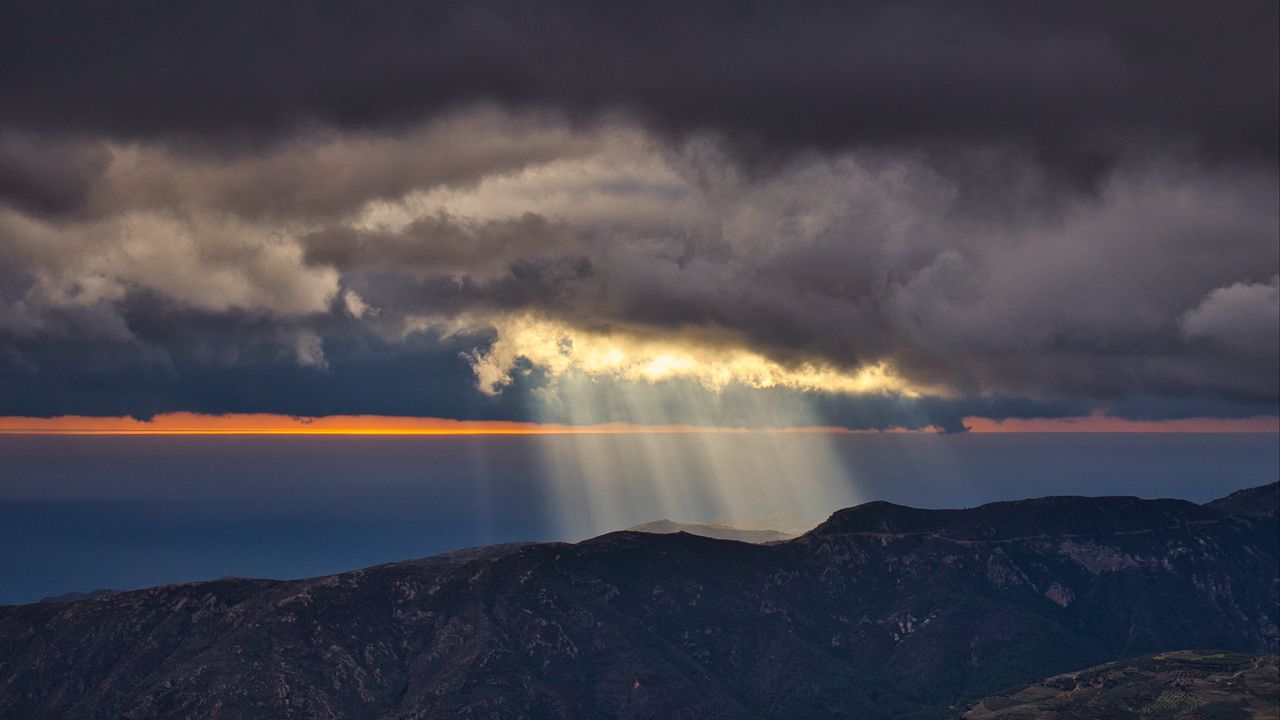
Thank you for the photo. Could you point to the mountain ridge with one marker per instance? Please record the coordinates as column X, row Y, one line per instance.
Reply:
column 1019, row 518
column 844, row 620
column 711, row 530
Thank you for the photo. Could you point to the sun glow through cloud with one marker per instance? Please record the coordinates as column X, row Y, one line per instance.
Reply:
column 714, row 361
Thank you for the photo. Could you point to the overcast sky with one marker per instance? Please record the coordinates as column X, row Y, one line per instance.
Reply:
column 868, row 214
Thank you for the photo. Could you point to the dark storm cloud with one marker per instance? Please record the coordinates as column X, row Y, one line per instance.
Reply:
column 1023, row 209
column 1075, row 82
column 228, row 363
column 440, row 245
column 48, row 179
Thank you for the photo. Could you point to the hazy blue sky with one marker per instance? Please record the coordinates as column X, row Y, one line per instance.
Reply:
column 80, row 513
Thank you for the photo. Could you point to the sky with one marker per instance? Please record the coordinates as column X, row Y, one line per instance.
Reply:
column 869, row 216
column 89, row 512
column 294, row 287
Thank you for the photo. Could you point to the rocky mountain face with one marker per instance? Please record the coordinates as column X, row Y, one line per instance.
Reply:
column 883, row 611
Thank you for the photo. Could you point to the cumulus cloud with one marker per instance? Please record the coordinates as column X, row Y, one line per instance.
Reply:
column 1243, row 317
column 862, row 262
column 226, row 232
column 354, row 304
column 308, row 349
column 211, row 263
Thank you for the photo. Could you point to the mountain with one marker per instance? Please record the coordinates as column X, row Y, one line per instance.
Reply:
column 750, row 529
column 1168, row 686
column 77, row 596
column 788, row 523
column 882, row 611
column 1263, row 501
column 711, row 530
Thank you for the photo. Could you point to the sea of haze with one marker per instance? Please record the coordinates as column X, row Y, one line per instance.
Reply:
column 88, row 512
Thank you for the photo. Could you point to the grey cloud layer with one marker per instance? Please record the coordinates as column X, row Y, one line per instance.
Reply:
column 1074, row 81
column 1029, row 209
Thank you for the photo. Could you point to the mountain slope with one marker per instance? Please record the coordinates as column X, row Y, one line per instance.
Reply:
column 1168, row 686
column 882, row 611
column 1263, row 501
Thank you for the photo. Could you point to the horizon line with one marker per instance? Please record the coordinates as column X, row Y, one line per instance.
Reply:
column 268, row 424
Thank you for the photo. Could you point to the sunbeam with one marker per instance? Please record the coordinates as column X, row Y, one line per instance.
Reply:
column 601, row 483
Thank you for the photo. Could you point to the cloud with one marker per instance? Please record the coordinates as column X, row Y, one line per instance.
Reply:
column 213, row 263
column 231, row 232
column 654, row 358
column 439, row 244
column 1243, row 316
column 45, row 178
column 308, row 349
column 1076, row 85
column 354, row 304
column 821, row 276
column 860, row 262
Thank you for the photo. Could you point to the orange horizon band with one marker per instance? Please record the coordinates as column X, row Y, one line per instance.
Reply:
column 267, row 424
column 270, row 424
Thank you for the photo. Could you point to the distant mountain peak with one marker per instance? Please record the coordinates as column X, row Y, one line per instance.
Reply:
column 713, row 530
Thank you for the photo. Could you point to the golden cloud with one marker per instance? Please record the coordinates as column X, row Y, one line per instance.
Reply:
column 639, row 356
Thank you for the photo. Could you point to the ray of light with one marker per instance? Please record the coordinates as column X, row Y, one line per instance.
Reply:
column 601, row 483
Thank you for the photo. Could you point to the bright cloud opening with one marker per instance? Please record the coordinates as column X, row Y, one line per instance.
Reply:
column 560, row 349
